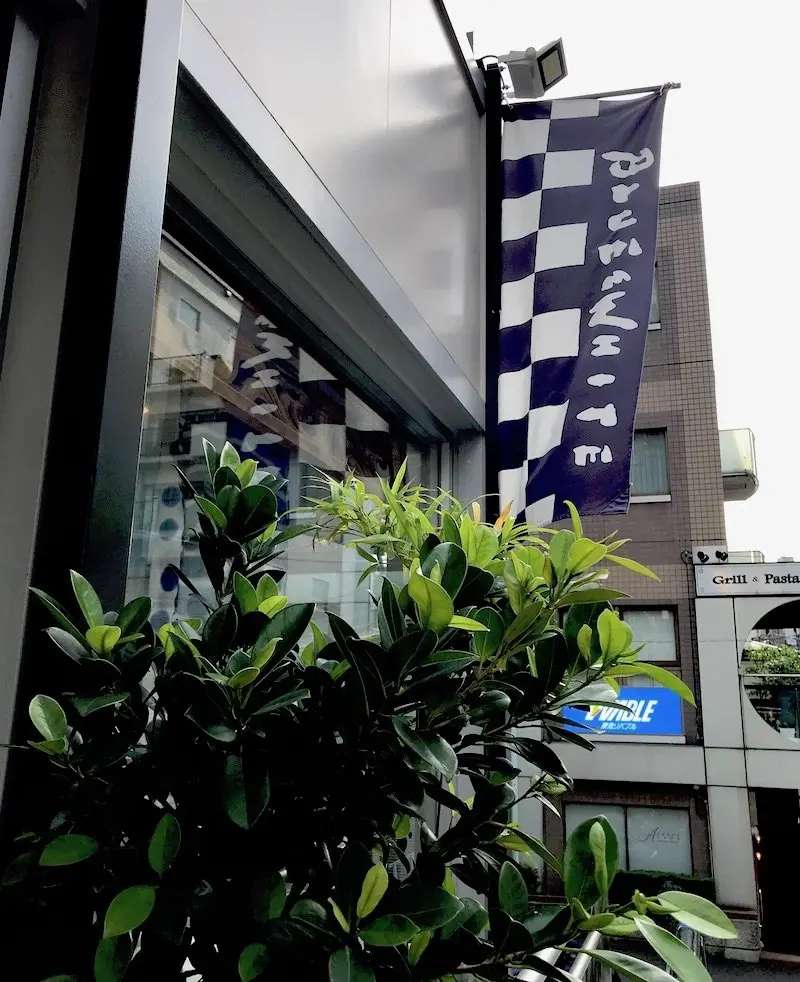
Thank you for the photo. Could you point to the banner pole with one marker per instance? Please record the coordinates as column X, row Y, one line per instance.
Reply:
column 642, row 90
column 494, row 278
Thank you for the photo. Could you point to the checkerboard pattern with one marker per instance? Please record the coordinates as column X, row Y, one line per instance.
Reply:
column 558, row 217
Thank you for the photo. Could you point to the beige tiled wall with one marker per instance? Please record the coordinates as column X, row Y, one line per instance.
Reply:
column 677, row 394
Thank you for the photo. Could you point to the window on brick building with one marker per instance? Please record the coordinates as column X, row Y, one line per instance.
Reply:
column 654, row 628
column 649, row 472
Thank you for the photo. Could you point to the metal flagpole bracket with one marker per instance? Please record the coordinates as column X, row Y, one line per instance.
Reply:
column 613, row 94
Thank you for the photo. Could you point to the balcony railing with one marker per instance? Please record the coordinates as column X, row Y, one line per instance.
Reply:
column 738, row 456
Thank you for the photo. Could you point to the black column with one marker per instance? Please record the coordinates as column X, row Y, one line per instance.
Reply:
column 493, row 135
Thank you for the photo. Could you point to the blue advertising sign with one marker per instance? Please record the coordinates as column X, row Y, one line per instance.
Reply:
column 639, row 712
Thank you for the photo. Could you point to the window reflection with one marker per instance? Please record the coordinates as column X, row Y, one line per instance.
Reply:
column 222, row 370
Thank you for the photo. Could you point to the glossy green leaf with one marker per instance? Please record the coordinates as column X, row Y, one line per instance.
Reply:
column 488, row 642
column 517, row 838
column 375, row 885
column 245, row 594
column 485, row 547
column 212, row 512
column 88, row 601
column 579, row 861
column 598, row 846
column 254, row 959
column 112, row 958
column 472, row 917
column 338, row 913
column 245, row 791
column 48, row 717
column 589, row 595
column 53, row 748
column 229, row 457
column 346, row 965
column 575, row 519
column 387, row 931
column 631, row 968
column 620, row 927
column 265, row 654
column 129, row 910
column 700, row 914
column 246, row 471
column 614, row 634
column 68, row 643
column 434, row 606
column 632, row 565
column 664, row 678
column 257, row 507
column 59, row 614
column 288, row 625
column 133, row 616
column 103, row 638
column 583, row 554
column 228, row 500
column 430, row 748
column 164, row 844
column 243, row 678
column 512, row 892
column 212, row 457
column 86, row 705
column 682, row 960
column 559, row 548
column 67, row 850
column 452, row 562
column 418, row 945
column 460, row 623
column 266, row 588
column 289, row 699
column 273, row 605
column 269, row 897
column 428, row 907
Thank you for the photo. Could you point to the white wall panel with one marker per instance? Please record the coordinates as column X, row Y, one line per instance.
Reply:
column 731, row 847
column 371, row 95
column 645, row 763
column 720, row 693
column 773, row 768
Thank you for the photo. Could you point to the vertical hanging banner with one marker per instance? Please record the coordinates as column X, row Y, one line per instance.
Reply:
column 579, row 227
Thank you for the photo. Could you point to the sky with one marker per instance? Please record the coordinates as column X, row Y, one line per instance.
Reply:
column 733, row 126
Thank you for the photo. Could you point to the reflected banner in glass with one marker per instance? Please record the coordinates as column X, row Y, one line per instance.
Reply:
column 222, row 370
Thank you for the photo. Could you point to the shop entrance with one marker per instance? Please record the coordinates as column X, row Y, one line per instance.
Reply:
column 777, row 858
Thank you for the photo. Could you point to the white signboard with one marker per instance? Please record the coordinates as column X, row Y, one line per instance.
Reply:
column 748, row 579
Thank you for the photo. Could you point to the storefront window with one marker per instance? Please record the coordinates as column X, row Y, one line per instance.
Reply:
column 222, row 370
column 649, row 838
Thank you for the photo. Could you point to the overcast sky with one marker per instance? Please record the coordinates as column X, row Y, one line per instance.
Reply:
column 733, row 126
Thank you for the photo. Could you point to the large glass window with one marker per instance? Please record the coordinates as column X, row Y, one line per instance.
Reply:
column 221, row 369
column 655, row 629
column 649, row 474
column 649, row 838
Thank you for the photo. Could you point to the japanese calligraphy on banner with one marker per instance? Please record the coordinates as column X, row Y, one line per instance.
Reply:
column 580, row 220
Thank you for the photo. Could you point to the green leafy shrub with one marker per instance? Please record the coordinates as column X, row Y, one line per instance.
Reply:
column 650, row 881
column 246, row 796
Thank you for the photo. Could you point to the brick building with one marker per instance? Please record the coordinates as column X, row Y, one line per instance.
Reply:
column 650, row 783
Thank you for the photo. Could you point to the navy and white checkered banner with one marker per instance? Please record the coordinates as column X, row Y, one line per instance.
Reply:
column 580, row 217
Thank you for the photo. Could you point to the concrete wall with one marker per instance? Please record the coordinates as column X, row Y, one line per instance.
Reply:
column 371, row 95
